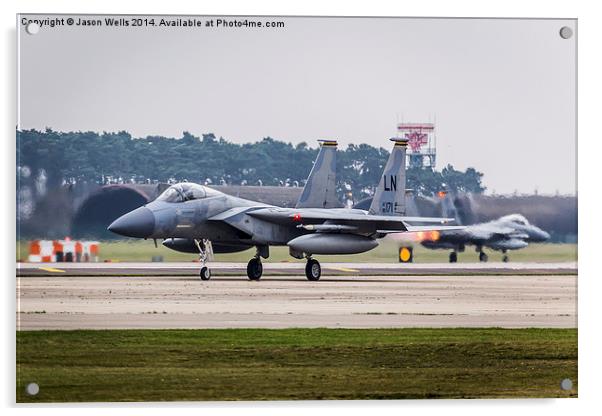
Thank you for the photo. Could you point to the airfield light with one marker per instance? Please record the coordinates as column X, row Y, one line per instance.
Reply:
column 405, row 254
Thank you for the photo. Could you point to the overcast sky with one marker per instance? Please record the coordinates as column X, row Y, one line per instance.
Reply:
column 502, row 91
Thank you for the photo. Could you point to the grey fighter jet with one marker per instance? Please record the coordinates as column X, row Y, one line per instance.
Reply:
column 319, row 192
column 511, row 232
column 194, row 212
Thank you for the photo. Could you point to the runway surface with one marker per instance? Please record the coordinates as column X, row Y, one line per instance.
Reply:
column 288, row 268
column 160, row 295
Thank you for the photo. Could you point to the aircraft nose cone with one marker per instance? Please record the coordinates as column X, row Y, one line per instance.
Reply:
column 138, row 223
column 543, row 235
column 540, row 236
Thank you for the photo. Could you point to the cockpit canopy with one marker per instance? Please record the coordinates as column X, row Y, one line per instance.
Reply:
column 182, row 192
column 517, row 219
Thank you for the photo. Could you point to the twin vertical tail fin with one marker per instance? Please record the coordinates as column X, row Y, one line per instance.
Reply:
column 320, row 188
column 389, row 198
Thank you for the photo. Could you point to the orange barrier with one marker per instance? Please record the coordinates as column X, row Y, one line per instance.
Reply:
column 89, row 251
column 67, row 250
column 41, row 251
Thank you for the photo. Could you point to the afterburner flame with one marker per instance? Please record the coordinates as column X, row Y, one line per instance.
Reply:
column 421, row 236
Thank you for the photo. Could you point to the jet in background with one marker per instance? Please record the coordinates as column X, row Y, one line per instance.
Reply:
column 511, row 232
column 194, row 212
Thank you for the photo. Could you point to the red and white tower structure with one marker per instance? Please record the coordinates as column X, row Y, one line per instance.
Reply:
column 422, row 144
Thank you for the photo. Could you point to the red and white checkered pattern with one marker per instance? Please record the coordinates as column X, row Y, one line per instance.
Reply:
column 67, row 250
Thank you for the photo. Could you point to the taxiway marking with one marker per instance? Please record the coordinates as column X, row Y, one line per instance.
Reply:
column 343, row 269
column 51, row 269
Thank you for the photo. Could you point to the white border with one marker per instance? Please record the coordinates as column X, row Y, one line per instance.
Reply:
column 590, row 113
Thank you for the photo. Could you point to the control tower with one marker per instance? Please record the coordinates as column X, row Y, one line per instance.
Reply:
column 422, row 144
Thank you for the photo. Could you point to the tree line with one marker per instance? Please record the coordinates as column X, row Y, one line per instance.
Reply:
column 69, row 157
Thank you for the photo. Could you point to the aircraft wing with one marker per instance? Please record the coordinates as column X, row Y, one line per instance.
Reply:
column 355, row 218
column 488, row 233
column 317, row 214
column 419, row 228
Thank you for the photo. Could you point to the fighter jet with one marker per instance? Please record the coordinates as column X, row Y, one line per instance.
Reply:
column 201, row 214
column 511, row 232
column 319, row 192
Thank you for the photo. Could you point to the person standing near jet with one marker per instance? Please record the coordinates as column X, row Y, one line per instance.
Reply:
column 202, row 214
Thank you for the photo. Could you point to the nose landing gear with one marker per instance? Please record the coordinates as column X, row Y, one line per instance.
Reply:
column 205, row 251
column 205, row 273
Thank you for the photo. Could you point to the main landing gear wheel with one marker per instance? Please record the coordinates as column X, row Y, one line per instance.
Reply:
column 505, row 258
column 453, row 257
column 483, row 257
column 254, row 269
column 313, row 271
column 205, row 273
